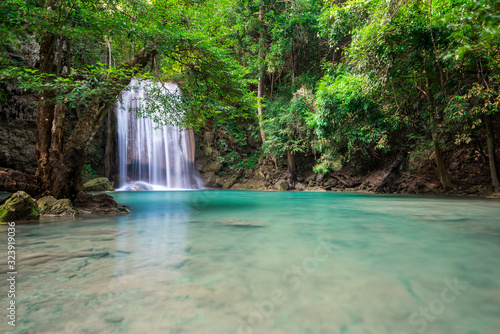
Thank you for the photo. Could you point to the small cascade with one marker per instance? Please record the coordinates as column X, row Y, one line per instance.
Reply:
column 152, row 156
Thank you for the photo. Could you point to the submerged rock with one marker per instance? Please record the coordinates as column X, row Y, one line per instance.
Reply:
column 52, row 207
column 98, row 204
column 99, row 184
column 113, row 319
column 238, row 223
column 20, row 206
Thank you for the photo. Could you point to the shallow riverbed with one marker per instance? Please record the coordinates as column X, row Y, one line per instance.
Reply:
column 262, row 262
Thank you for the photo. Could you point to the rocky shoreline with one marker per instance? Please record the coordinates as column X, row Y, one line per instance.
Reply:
column 266, row 177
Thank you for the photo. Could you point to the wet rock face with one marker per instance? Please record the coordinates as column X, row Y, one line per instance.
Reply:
column 17, row 147
column 20, row 206
column 18, row 114
column 18, row 129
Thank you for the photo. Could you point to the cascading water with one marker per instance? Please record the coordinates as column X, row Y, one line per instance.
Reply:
column 152, row 156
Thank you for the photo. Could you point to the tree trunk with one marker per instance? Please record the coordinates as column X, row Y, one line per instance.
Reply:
column 291, row 167
column 46, row 111
column 442, row 171
column 111, row 146
column 66, row 178
column 60, row 164
column 261, row 86
column 490, row 139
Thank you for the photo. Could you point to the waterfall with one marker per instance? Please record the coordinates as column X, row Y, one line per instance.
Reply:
column 152, row 156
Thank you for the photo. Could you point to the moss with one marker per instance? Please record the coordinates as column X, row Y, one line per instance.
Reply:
column 19, row 207
column 34, row 214
column 99, row 184
column 52, row 207
column 3, row 213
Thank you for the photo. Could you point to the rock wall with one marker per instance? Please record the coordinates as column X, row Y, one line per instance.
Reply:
column 18, row 132
column 17, row 129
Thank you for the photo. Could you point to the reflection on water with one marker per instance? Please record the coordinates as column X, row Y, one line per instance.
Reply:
column 263, row 262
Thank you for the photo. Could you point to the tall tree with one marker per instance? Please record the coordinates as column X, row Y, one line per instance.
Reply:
column 170, row 30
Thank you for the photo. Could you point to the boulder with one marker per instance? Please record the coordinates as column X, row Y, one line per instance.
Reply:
column 52, row 207
column 472, row 190
column 214, row 167
column 484, row 191
column 282, row 185
column 331, row 183
column 99, row 204
column 219, row 181
column 229, row 182
column 310, row 178
column 20, row 206
column 248, row 173
column 99, row 184
column 210, row 180
column 300, row 186
column 300, row 178
column 257, row 184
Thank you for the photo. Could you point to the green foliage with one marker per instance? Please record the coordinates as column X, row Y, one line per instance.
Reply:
column 88, row 173
column 348, row 119
column 340, row 76
column 96, row 39
column 286, row 126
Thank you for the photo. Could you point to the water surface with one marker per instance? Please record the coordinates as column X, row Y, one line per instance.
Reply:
column 263, row 262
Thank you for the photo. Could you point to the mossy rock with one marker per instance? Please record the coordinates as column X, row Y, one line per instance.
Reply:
column 20, row 206
column 53, row 207
column 99, row 184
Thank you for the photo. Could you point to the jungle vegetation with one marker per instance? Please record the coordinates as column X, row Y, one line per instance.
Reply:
column 340, row 80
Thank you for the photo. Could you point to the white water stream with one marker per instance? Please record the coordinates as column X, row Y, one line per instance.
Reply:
column 152, row 157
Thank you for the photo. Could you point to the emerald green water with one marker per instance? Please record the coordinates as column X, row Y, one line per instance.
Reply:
column 263, row 262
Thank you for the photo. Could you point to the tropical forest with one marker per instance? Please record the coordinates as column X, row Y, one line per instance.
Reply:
column 250, row 166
